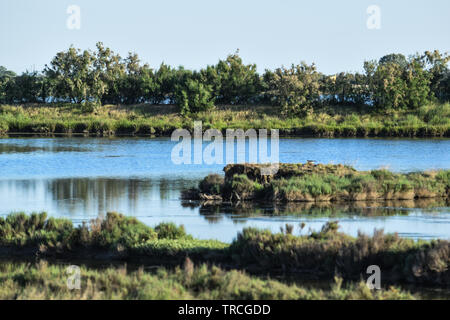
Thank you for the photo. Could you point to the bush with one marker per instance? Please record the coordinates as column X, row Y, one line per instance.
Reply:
column 295, row 89
column 309, row 183
column 124, row 126
column 119, row 229
column 194, row 96
column 170, row 231
column 115, row 229
column 212, row 184
column 330, row 252
column 89, row 106
column 244, row 188
column 25, row 281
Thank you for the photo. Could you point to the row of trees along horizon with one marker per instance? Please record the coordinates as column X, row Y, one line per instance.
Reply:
column 103, row 77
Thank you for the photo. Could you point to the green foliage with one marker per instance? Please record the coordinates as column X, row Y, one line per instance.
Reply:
column 436, row 64
column 330, row 252
column 400, row 84
column 76, row 76
column 193, row 97
column 232, row 81
column 243, row 188
column 170, row 231
column 315, row 183
column 432, row 120
column 394, row 58
column 295, row 89
column 345, row 89
column 115, row 229
column 326, row 252
column 212, row 184
column 202, row 282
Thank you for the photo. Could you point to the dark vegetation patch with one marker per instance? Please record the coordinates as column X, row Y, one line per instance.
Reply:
column 323, row 254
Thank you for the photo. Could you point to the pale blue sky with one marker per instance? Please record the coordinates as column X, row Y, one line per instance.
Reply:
column 194, row 33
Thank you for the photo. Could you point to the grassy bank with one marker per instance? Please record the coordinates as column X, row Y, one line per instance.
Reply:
column 108, row 120
column 47, row 281
column 323, row 254
column 317, row 183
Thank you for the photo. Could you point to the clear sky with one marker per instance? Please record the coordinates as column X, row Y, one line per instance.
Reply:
column 194, row 33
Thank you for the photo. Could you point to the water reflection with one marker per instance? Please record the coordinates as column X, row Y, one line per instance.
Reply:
column 214, row 211
column 8, row 148
column 154, row 200
column 89, row 196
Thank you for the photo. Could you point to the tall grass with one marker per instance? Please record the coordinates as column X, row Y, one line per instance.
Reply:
column 329, row 252
column 430, row 120
column 310, row 182
column 49, row 281
column 324, row 254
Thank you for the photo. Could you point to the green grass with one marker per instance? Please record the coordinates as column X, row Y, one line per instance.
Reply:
column 49, row 281
column 316, row 183
column 323, row 254
column 431, row 120
column 328, row 252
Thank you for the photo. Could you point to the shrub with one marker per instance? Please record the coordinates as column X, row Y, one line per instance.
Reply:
column 125, row 126
column 119, row 229
column 212, row 184
column 330, row 252
column 194, row 96
column 170, row 231
column 295, row 90
column 244, row 188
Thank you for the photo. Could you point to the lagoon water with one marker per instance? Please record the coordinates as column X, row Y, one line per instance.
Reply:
column 82, row 178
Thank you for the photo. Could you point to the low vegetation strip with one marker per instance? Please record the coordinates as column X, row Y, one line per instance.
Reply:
column 321, row 254
column 146, row 120
column 49, row 281
column 330, row 252
column 317, row 182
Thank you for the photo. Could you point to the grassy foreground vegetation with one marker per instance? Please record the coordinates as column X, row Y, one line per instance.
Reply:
column 47, row 281
column 323, row 254
column 317, row 182
column 431, row 120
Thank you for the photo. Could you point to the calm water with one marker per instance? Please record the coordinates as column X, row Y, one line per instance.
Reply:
column 82, row 178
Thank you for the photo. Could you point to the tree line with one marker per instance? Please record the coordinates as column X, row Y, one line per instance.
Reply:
column 104, row 77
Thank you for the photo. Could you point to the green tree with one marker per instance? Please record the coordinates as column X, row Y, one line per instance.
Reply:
column 389, row 87
column 110, row 70
column 6, row 76
column 295, row 89
column 73, row 74
column 26, row 88
column 437, row 65
column 418, row 82
column 232, row 81
column 131, row 84
column 194, row 96
column 345, row 88
column 164, row 87
column 396, row 58
column 399, row 86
